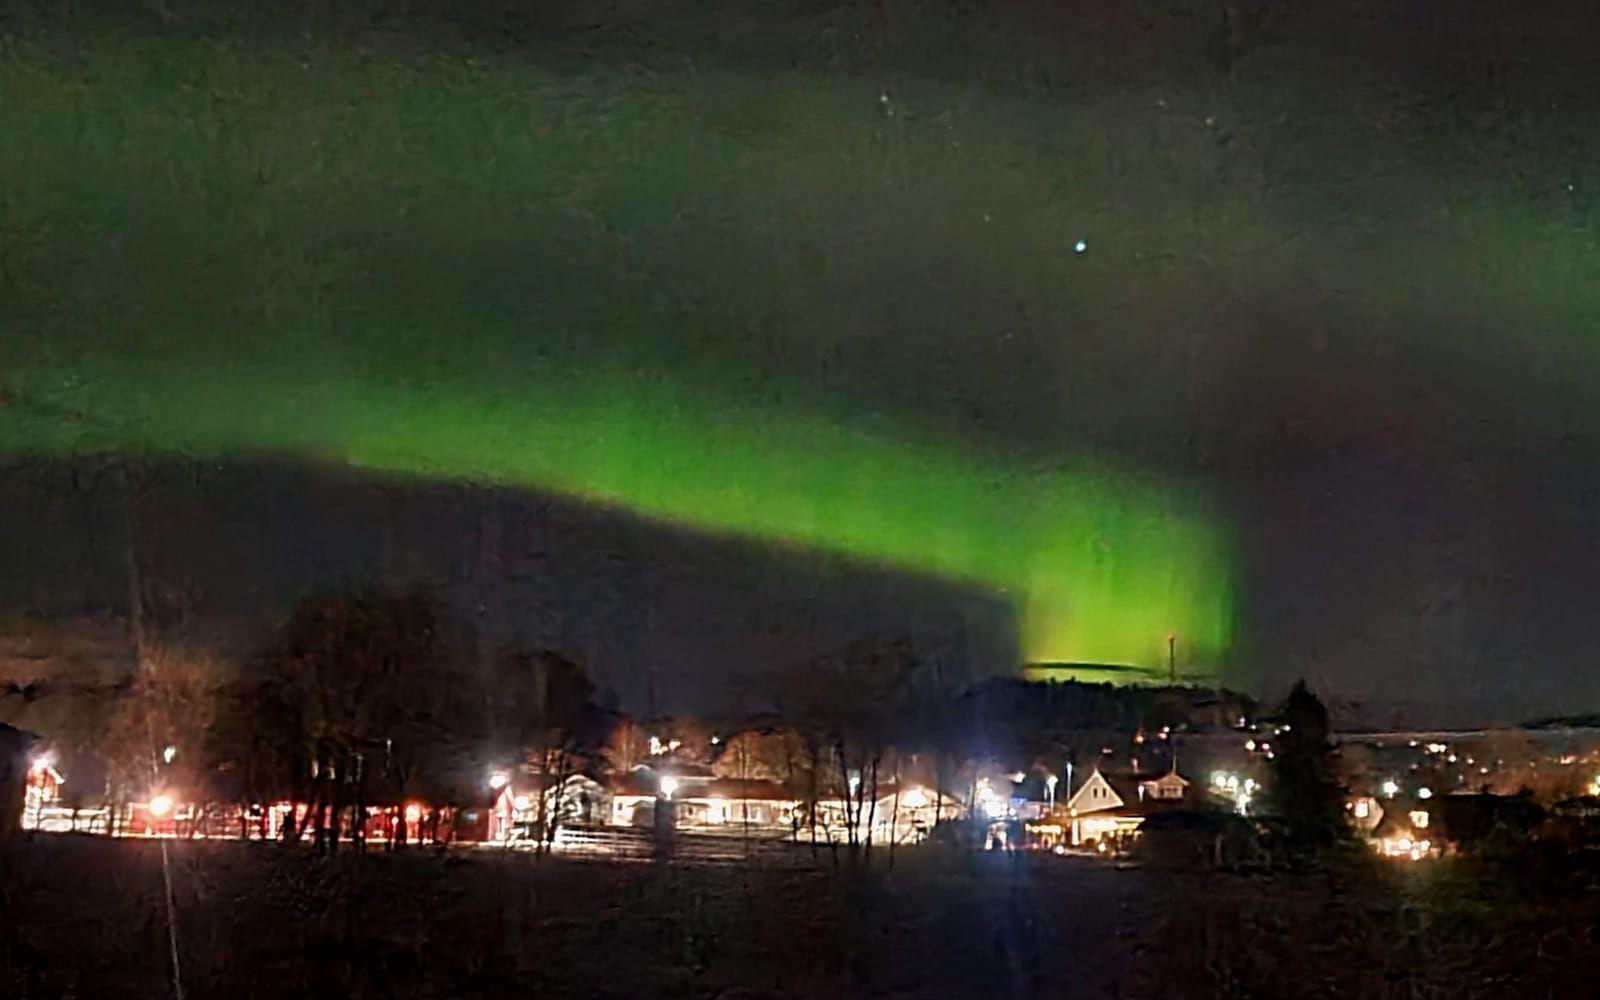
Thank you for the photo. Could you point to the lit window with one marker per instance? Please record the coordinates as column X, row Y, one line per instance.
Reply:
column 1419, row 819
column 1363, row 809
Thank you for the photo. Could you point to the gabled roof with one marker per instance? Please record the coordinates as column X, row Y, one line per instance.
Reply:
column 1126, row 786
column 1084, row 800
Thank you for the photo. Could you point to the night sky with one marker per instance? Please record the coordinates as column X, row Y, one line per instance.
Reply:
column 1285, row 351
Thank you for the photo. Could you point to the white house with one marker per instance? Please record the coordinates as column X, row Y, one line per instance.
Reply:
column 1107, row 807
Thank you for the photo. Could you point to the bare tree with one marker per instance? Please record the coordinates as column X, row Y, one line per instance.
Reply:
column 852, row 703
column 627, row 745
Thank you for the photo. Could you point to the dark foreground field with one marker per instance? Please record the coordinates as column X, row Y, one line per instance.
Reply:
column 85, row 918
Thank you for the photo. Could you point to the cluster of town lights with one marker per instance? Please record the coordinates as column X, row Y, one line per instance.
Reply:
column 993, row 806
column 1407, row 849
column 1240, row 790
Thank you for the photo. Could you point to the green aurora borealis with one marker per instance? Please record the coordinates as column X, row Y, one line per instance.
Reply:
column 761, row 306
column 1100, row 565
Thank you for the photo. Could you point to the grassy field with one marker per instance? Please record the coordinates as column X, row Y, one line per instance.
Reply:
column 835, row 247
column 86, row 918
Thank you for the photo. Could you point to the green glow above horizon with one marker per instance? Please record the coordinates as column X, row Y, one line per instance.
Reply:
column 746, row 300
column 1099, row 564
column 759, row 314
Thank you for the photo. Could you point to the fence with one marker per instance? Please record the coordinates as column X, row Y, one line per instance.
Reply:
column 631, row 843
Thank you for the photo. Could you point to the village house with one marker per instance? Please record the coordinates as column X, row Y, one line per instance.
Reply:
column 900, row 814
column 703, row 801
column 1404, row 832
column 1394, row 827
column 1108, row 808
column 522, row 805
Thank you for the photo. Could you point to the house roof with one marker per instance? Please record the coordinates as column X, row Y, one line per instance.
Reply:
column 1124, row 790
column 749, row 789
column 677, row 765
column 644, row 782
column 639, row 781
column 1126, row 785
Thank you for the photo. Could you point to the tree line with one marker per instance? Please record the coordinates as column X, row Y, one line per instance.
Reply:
column 364, row 698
